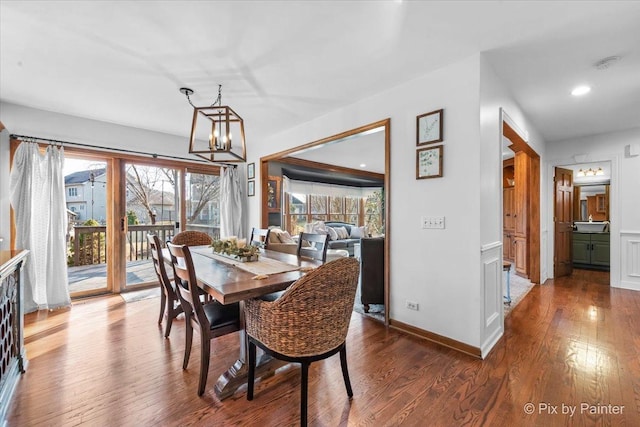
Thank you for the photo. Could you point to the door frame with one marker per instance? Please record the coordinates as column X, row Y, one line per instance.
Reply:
column 510, row 130
column 614, row 210
column 386, row 123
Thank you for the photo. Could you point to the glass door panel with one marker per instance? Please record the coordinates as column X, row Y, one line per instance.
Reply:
column 152, row 206
column 85, row 183
column 202, row 199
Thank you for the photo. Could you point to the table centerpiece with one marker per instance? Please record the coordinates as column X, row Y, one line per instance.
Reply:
column 234, row 248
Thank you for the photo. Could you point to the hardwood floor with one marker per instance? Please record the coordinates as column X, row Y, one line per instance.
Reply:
column 570, row 342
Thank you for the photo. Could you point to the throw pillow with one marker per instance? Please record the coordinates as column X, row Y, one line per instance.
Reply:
column 342, row 233
column 358, row 232
column 333, row 234
column 285, row 237
column 274, row 235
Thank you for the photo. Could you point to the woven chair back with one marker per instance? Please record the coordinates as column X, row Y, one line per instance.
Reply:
column 312, row 316
column 191, row 238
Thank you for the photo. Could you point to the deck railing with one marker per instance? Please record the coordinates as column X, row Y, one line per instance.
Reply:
column 88, row 244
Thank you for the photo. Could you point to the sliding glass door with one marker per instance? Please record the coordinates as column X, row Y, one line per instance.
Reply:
column 152, row 205
column 85, row 181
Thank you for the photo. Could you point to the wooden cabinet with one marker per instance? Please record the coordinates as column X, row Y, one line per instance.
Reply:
column 601, row 203
column 591, row 250
column 508, row 210
column 520, row 255
column 520, row 200
column 520, row 193
column 508, row 250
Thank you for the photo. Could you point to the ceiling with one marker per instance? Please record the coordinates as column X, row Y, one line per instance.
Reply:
column 284, row 63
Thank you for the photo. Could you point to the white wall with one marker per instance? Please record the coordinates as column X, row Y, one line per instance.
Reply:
column 624, row 196
column 493, row 97
column 439, row 269
column 32, row 122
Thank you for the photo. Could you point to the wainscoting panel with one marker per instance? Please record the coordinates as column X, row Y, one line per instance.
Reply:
column 630, row 259
column 544, row 268
column 492, row 309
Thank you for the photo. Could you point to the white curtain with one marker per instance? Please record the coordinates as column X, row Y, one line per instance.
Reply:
column 38, row 200
column 231, row 215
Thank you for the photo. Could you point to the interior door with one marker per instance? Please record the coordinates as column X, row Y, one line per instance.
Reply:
column 563, row 222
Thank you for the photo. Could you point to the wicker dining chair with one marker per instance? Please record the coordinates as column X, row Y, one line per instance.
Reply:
column 169, row 300
column 317, row 246
column 309, row 322
column 191, row 238
column 211, row 319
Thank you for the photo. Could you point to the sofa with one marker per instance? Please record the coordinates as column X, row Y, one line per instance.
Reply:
column 282, row 241
column 354, row 234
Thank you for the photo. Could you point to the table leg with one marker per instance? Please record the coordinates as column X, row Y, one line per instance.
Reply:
column 236, row 375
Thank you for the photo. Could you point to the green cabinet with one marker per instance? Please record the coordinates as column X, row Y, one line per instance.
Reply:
column 591, row 250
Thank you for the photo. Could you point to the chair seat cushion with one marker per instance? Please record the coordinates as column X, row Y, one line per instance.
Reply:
column 220, row 315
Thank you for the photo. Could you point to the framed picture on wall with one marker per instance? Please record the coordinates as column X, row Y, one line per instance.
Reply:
column 429, row 127
column 273, row 193
column 251, row 171
column 251, row 188
column 429, row 162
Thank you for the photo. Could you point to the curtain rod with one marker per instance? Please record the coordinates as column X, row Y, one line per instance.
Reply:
column 50, row 141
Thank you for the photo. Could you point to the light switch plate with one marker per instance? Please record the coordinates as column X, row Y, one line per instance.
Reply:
column 433, row 222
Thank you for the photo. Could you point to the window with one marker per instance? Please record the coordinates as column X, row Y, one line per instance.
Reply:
column 308, row 202
column 73, row 191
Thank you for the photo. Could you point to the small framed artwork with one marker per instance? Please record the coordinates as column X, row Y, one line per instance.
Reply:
column 429, row 127
column 273, row 194
column 251, row 188
column 251, row 171
column 429, row 162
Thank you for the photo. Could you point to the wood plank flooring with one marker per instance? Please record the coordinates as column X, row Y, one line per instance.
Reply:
column 571, row 342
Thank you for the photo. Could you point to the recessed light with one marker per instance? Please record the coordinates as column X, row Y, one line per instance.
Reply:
column 580, row 90
column 362, row 165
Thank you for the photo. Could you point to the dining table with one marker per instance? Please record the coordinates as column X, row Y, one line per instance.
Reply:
column 228, row 281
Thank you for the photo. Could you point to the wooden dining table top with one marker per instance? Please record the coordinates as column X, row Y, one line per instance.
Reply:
column 228, row 284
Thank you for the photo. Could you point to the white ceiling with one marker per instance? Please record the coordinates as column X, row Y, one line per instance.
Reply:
column 284, row 63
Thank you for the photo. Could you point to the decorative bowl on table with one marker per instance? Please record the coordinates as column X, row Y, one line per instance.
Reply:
column 235, row 249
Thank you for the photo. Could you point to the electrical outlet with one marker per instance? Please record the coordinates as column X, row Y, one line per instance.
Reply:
column 433, row 222
column 412, row 305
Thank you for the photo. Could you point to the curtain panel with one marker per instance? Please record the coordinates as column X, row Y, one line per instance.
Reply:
column 38, row 199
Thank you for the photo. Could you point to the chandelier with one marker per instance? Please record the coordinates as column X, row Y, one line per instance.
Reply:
column 217, row 132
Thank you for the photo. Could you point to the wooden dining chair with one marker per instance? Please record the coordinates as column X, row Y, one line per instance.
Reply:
column 191, row 238
column 169, row 301
column 259, row 237
column 314, row 246
column 211, row 319
column 309, row 322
